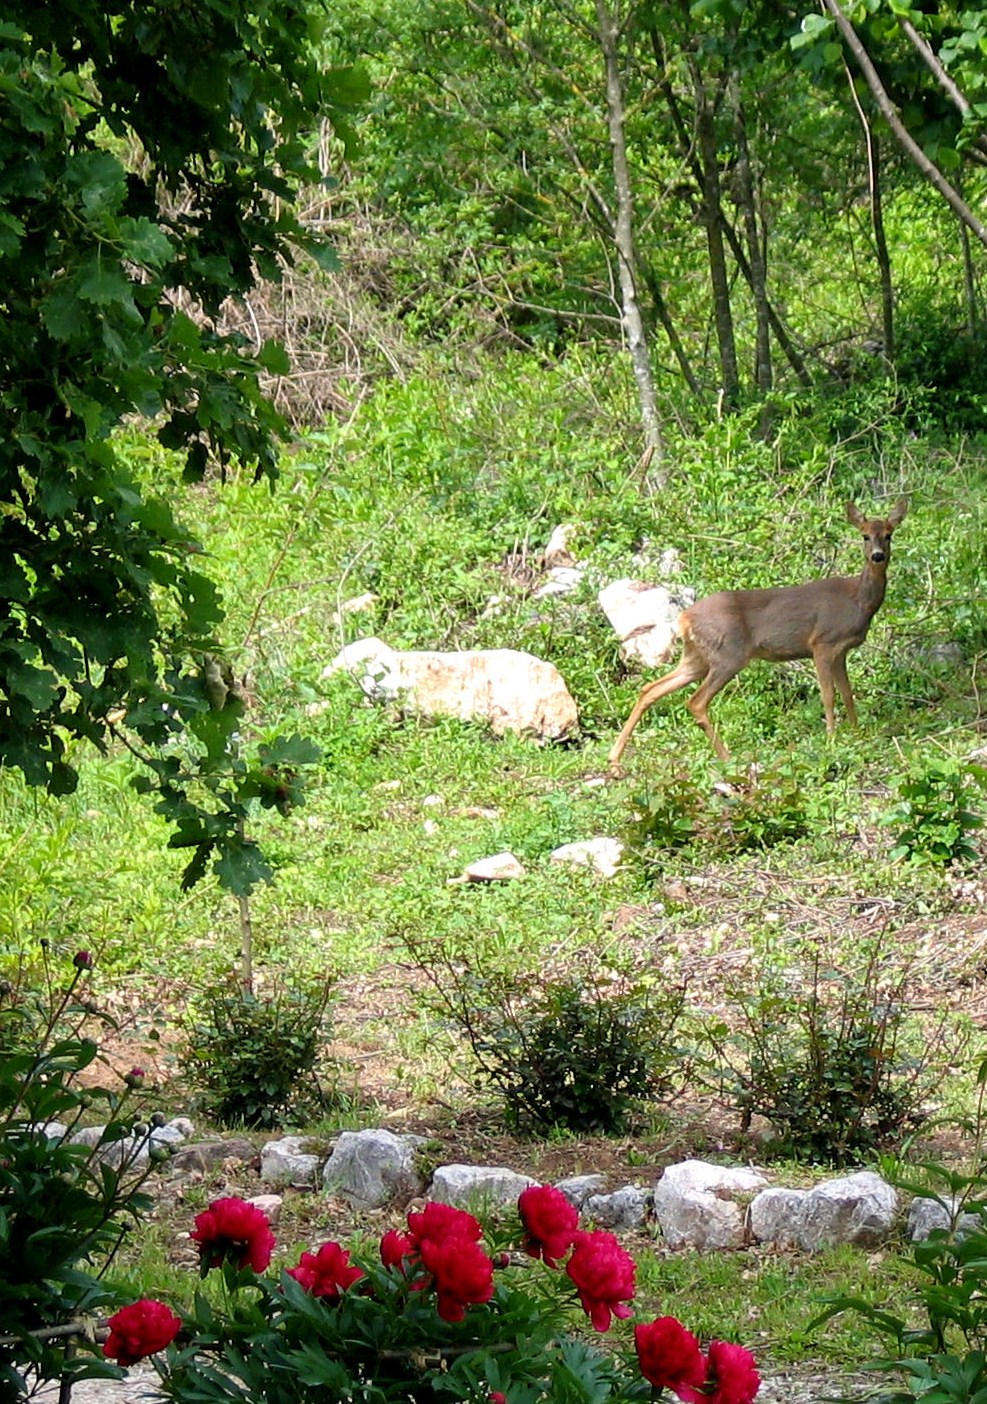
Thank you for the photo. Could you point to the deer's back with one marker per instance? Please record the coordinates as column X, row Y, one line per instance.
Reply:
column 778, row 624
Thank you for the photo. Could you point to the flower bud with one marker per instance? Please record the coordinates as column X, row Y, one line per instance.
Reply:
column 158, row 1119
column 135, row 1078
column 83, row 960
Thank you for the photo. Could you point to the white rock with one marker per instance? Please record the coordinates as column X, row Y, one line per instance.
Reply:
column 184, row 1125
column 287, row 1161
column 468, row 1186
column 775, row 1216
column 356, row 605
column 927, row 1215
column 692, row 1219
column 561, row 580
column 557, row 551
column 370, row 1168
column 625, row 1208
column 499, row 867
column 602, row 854
column 578, row 1188
column 721, row 1180
column 508, row 689
column 644, row 618
column 696, row 1204
column 269, row 1204
column 858, row 1209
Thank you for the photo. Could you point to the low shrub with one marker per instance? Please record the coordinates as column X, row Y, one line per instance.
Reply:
column 252, row 1058
column 823, row 1053
column 582, row 1051
column 936, row 813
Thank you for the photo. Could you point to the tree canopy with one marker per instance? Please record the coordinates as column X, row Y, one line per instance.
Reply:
column 150, row 157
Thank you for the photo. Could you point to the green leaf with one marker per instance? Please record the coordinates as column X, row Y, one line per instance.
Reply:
column 241, row 867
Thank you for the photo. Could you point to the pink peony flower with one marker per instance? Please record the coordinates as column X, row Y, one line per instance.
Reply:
column 235, row 1230
column 603, row 1275
column 326, row 1273
column 442, row 1221
column 140, row 1330
column 461, row 1272
column 732, row 1374
column 550, row 1222
column 670, row 1358
column 398, row 1250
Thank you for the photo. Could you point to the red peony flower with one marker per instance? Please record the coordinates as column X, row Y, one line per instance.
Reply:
column 235, row 1230
column 670, row 1357
column 461, row 1272
column 398, row 1249
column 732, row 1373
column 442, row 1221
column 140, row 1330
column 497, row 1396
column 326, row 1273
column 550, row 1222
column 603, row 1274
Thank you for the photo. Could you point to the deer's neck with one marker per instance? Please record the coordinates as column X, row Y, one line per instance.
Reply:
column 871, row 585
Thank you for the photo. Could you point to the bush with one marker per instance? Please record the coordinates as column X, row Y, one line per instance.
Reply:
column 252, row 1058
column 821, row 1053
column 434, row 1313
column 939, row 1343
column 581, row 1051
column 63, row 1208
column 935, row 813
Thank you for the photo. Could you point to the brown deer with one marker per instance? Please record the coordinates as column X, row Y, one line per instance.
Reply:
column 821, row 620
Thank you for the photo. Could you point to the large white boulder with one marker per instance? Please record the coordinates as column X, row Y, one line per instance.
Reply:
column 508, row 689
column 370, row 1168
column 698, row 1205
column 469, row 1186
column 644, row 617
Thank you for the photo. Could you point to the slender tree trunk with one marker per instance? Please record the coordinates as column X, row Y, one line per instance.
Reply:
column 712, row 215
column 969, row 284
column 901, row 134
column 755, row 248
column 637, row 341
column 880, row 242
column 877, row 224
column 650, row 279
column 788, row 347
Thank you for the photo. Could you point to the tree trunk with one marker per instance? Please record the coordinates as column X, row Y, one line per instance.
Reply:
column 637, row 341
column 712, row 215
column 755, row 249
column 877, row 224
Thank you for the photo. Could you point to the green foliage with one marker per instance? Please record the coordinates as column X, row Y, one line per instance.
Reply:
column 64, row 1206
column 143, row 152
column 253, row 1058
column 583, row 1052
column 938, row 1342
column 936, row 815
column 824, row 1054
column 668, row 816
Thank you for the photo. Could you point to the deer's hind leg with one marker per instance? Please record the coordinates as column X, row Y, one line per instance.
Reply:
column 691, row 667
column 719, row 674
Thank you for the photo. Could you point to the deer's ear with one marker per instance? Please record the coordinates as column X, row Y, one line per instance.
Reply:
column 854, row 515
column 897, row 512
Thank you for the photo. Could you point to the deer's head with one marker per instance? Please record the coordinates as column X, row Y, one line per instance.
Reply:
column 877, row 531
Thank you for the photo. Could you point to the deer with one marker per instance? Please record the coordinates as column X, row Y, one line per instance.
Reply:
column 821, row 620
